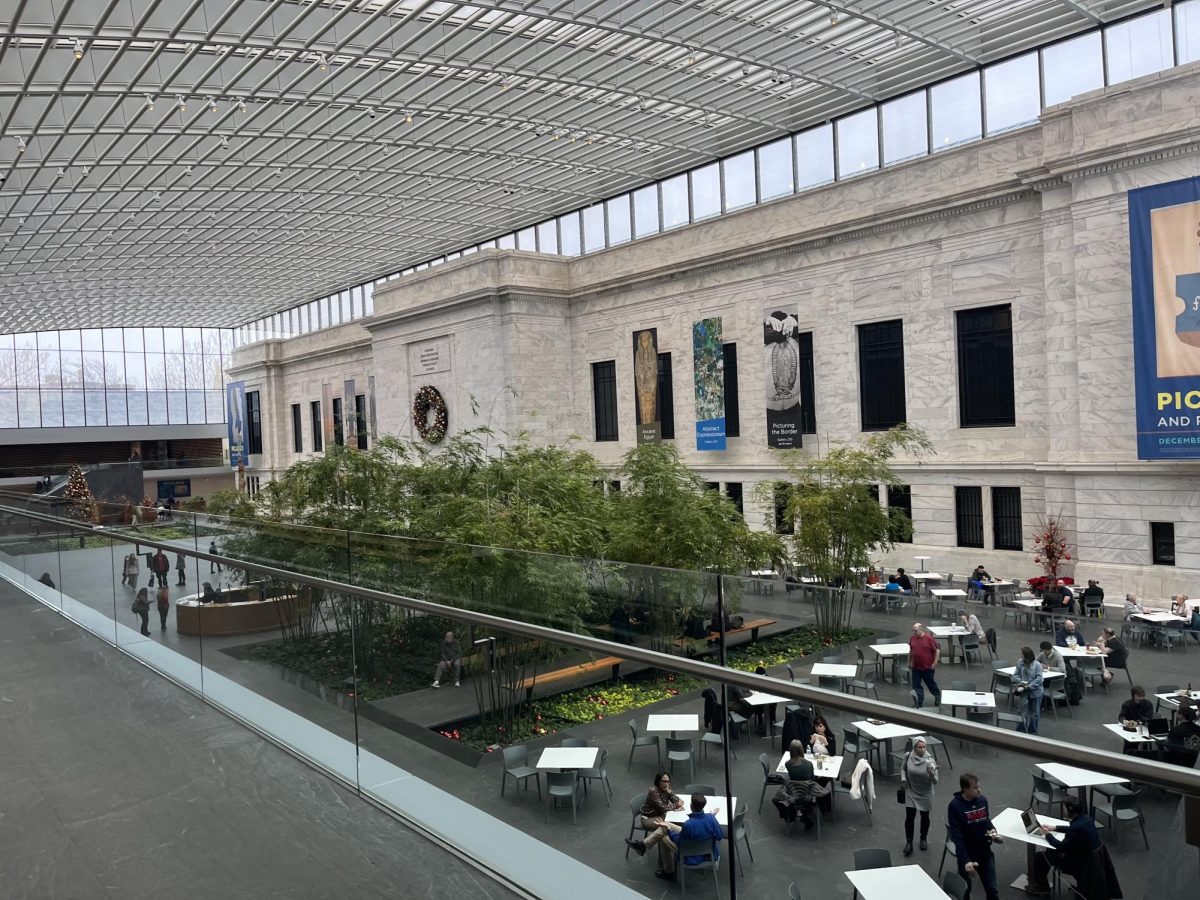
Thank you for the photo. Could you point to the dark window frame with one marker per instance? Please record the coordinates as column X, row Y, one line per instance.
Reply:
column 783, row 494
column 968, row 522
column 986, row 382
column 297, row 429
column 665, row 401
column 254, row 439
column 360, row 420
column 339, row 432
column 1162, row 543
column 733, row 490
column 729, row 380
column 881, row 391
column 808, row 385
column 318, row 425
column 1007, row 529
column 899, row 496
column 604, row 400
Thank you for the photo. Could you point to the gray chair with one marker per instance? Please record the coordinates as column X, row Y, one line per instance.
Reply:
column 970, row 645
column 794, row 892
column 712, row 739
column 516, row 766
column 600, row 774
column 707, row 790
column 948, row 849
column 953, row 885
column 741, row 833
column 696, row 848
column 1121, row 808
column 573, row 742
column 769, row 778
column 562, row 786
column 871, row 858
column 1163, row 689
column 1002, row 686
column 1045, row 791
column 643, row 740
column 635, row 806
column 681, row 750
column 963, row 686
column 1052, row 697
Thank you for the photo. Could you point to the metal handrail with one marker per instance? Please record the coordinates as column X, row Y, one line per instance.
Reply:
column 1163, row 775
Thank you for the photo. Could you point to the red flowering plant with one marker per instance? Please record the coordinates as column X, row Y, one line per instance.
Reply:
column 1052, row 552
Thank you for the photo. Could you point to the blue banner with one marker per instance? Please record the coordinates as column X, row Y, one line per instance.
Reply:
column 1164, row 252
column 235, row 418
column 708, row 369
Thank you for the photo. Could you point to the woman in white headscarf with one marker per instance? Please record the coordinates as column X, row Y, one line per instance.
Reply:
column 918, row 774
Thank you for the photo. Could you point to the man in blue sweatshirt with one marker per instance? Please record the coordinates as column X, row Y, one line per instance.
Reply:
column 700, row 826
column 1072, row 854
column 972, row 832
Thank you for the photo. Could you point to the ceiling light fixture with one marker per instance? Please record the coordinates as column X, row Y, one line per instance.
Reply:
column 212, row 104
column 691, row 57
column 323, row 63
column 180, row 104
column 241, row 105
column 225, row 142
column 897, row 40
column 745, row 68
column 371, row 111
column 21, row 148
column 833, row 16
column 78, row 48
column 150, row 102
column 408, row 118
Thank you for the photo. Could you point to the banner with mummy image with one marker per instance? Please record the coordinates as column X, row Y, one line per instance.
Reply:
column 781, row 356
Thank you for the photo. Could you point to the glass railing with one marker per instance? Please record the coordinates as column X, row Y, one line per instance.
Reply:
column 579, row 680
column 60, row 471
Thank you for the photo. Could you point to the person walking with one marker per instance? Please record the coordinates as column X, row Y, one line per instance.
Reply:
column 213, row 565
column 160, row 566
column 918, row 775
column 164, row 603
column 451, row 657
column 180, row 569
column 141, row 608
column 924, row 651
column 971, row 830
column 132, row 571
column 1028, row 686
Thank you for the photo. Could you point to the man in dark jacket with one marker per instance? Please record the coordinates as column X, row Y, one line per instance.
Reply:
column 1072, row 854
column 1137, row 708
column 160, row 566
column 971, row 830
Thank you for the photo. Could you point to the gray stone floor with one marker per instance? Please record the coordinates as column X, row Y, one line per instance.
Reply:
column 780, row 856
column 116, row 783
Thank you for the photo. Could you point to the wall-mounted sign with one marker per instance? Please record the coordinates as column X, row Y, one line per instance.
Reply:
column 178, row 487
column 645, row 386
column 781, row 364
column 1164, row 253
column 429, row 357
column 708, row 371
column 235, row 419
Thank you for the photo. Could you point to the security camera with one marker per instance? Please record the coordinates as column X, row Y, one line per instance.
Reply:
column 371, row 111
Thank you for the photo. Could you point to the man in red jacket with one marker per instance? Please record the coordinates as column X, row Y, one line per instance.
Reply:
column 924, row 651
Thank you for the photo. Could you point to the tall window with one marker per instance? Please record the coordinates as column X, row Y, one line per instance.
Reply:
column 666, row 398
column 339, row 433
column 360, row 420
column 733, row 426
column 604, row 399
column 733, row 490
column 808, row 386
column 881, row 374
column 1006, row 518
column 985, row 368
column 1162, row 543
column 899, row 498
column 783, row 522
column 314, row 414
column 297, row 429
column 254, row 420
column 968, row 516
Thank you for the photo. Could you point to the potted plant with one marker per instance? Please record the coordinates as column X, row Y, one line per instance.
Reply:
column 1052, row 551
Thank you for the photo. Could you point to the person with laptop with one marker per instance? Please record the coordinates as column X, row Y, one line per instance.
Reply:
column 1137, row 708
column 1183, row 741
column 1070, row 855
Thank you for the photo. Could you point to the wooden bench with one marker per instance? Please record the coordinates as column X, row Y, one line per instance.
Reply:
column 576, row 671
column 751, row 626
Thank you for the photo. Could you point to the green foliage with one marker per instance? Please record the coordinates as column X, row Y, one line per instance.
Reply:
column 788, row 646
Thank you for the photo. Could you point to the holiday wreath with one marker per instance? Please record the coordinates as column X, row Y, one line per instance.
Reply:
column 429, row 398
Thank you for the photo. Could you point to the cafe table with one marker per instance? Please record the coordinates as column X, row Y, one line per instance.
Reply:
column 1139, row 736
column 1075, row 778
column 922, row 560
column 673, row 722
column 561, row 759
column 829, row 767
column 948, row 633
column 1011, row 827
column 892, row 652
column 1029, row 610
column 885, row 732
column 716, row 805
column 757, row 698
column 835, row 670
column 895, row 883
column 968, row 700
column 938, row 596
column 1171, row 700
column 1047, row 674
column 1159, row 618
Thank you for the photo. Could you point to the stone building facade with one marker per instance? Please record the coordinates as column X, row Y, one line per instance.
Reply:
column 1035, row 220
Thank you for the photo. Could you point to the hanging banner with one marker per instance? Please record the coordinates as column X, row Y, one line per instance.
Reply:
column 235, row 418
column 1164, row 252
column 327, row 416
column 350, row 423
column 371, row 406
column 781, row 352
column 645, row 383
column 708, row 370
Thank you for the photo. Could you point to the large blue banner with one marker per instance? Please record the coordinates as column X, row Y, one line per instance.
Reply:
column 235, row 418
column 708, row 370
column 1164, row 250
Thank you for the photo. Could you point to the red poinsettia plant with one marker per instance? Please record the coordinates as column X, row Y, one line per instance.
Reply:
column 1052, row 550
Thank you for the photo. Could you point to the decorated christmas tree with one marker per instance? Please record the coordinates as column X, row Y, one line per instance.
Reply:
column 80, row 503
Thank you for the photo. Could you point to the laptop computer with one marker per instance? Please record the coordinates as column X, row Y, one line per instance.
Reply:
column 1158, row 727
column 1030, row 821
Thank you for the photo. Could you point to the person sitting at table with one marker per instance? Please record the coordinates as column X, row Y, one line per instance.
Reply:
column 1132, row 607
column 1066, row 598
column 700, row 826
column 1179, row 604
column 902, row 579
column 1182, row 746
column 718, row 623
column 799, row 795
column 1137, row 708
column 872, row 576
column 1113, row 653
column 1072, row 855
column 618, row 621
column 737, row 700
column 980, row 574
column 714, row 711
column 822, row 738
column 1093, row 590
column 1069, row 635
column 1050, row 658
column 893, row 585
column 798, row 767
column 660, row 800
column 970, row 621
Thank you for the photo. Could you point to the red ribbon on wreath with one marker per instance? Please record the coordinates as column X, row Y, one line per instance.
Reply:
column 429, row 399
